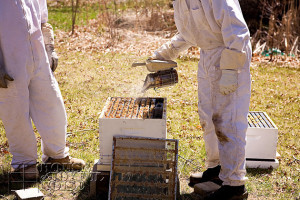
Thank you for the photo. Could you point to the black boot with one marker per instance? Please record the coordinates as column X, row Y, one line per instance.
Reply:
column 227, row 192
column 211, row 174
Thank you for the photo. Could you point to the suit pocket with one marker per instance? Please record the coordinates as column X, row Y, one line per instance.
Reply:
column 198, row 15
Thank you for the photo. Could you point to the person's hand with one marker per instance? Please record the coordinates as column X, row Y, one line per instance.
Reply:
column 52, row 56
column 4, row 77
column 48, row 36
column 156, row 56
column 229, row 81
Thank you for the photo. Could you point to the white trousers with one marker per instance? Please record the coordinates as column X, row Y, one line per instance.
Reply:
column 34, row 94
column 224, row 118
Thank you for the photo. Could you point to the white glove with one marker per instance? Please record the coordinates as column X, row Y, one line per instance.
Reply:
column 165, row 52
column 52, row 56
column 48, row 35
column 156, row 56
column 3, row 77
column 229, row 81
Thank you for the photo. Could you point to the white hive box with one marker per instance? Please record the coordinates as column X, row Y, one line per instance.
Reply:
column 262, row 136
column 145, row 117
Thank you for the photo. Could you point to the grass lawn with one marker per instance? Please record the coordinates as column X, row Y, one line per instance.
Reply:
column 86, row 79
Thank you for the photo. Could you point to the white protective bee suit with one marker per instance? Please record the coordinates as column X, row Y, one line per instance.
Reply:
column 34, row 94
column 219, row 29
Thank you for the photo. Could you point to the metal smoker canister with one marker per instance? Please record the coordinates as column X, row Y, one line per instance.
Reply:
column 164, row 73
column 160, row 79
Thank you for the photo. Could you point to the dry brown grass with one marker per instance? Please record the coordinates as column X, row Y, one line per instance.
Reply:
column 282, row 28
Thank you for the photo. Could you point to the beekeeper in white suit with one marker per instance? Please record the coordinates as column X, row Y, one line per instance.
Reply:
column 219, row 29
column 28, row 89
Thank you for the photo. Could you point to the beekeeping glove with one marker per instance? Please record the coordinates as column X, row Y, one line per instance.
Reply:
column 48, row 35
column 231, row 61
column 4, row 77
column 156, row 56
column 161, row 53
column 229, row 81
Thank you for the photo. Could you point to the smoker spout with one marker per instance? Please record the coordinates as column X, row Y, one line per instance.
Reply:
column 148, row 83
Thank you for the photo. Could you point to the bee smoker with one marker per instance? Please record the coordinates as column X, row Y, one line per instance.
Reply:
column 164, row 73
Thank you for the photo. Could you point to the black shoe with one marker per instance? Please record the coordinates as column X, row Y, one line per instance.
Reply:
column 211, row 174
column 227, row 192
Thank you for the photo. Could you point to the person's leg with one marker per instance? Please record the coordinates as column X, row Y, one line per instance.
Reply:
column 46, row 105
column 14, row 101
column 230, row 119
column 205, row 107
column 48, row 113
column 206, row 79
column 44, row 101
column 14, row 112
column 231, row 124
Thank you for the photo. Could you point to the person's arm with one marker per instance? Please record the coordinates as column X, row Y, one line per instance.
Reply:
column 48, row 36
column 235, row 33
column 236, row 37
column 171, row 49
column 44, row 11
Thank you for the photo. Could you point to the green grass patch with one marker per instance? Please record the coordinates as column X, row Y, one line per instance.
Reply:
column 61, row 16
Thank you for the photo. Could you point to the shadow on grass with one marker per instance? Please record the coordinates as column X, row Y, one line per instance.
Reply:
column 84, row 193
column 12, row 181
column 257, row 171
column 191, row 196
column 49, row 180
column 96, row 186
column 4, row 182
column 102, row 191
